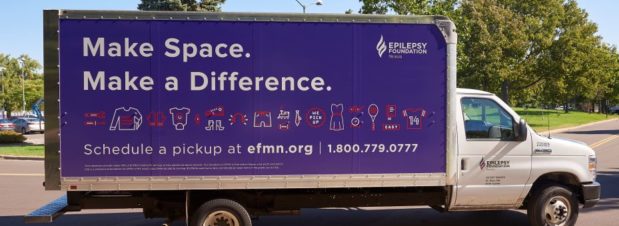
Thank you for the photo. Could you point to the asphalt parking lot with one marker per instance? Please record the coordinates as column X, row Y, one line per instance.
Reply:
column 35, row 138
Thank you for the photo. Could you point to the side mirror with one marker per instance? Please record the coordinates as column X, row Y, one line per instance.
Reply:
column 522, row 131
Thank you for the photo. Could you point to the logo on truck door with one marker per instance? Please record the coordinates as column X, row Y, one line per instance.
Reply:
column 493, row 164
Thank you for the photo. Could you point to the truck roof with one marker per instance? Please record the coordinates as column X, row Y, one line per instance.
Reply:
column 472, row 91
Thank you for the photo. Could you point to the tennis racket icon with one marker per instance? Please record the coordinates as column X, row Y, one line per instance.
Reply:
column 373, row 112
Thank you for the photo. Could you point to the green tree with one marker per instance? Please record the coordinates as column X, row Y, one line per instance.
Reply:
column 11, row 82
column 211, row 5
column 495, row 44
column 411, row 7
column 603, row 73
column 165, row 5
column 181, row 5
column 572, row 55
column 507, row 44
column 613, row 96
column 540, row 22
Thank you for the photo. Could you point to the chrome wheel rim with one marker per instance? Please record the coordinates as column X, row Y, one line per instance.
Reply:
column 221, row 218
column 557, row 211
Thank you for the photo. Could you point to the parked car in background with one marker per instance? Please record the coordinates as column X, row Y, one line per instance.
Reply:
column 614, row 109
column 28, row 125
column 560, row 108
column 6, row 124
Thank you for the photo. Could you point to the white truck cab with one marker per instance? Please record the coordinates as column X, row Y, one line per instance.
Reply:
column 505, row 164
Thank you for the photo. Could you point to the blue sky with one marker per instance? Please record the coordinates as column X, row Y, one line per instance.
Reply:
column 21, row 21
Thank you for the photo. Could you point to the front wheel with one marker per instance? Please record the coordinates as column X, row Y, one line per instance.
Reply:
column 553, row 205
column 221, row 212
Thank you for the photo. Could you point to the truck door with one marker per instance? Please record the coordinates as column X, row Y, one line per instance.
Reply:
column 494, row 163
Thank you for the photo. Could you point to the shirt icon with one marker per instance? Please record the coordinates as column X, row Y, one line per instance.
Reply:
column 179, row 117
column 126, row 119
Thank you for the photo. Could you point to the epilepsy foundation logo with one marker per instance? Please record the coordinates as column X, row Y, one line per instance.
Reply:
column 381, row 47
column 398, row 49
column 493, row 164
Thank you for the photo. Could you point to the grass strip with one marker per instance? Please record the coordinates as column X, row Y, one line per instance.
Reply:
column 22, row 150
column 540, row 119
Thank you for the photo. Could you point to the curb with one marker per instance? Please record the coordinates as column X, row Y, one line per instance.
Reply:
column 11, row 157
column 576, row 127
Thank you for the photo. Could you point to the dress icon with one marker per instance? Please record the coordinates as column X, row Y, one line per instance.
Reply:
column 337, row 117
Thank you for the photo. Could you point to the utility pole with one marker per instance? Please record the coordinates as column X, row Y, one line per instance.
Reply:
column 2, row 79
column 2, row 90
column 23, row 88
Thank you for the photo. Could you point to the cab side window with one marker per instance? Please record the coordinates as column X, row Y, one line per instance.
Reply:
column 485, row 119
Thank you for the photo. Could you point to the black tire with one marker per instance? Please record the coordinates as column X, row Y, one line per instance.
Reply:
column 223, row 212
column 547, row 199
column 23, row 131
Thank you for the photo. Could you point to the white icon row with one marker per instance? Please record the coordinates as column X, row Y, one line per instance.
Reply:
column 130, row 118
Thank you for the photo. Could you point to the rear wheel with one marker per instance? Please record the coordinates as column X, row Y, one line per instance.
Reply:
column 221, row 212
column 553, row 205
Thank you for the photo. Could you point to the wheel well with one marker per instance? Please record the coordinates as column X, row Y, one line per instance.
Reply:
column 171, row 204
column 249, row 200
column 566, row 179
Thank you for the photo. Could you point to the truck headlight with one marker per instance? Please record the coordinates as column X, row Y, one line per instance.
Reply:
column 593, row 164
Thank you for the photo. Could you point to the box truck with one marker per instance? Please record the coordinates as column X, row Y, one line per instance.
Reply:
column 223, row 117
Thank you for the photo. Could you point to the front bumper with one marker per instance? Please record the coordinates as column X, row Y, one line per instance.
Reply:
column 591, row 194
column 35, row 128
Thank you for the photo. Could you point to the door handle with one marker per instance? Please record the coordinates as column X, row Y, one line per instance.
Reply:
column 463, row 164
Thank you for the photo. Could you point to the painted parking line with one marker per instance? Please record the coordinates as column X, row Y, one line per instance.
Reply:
column 604, row 141
column 22, row 174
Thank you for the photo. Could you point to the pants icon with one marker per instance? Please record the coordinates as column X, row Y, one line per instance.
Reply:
column 262, row 119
